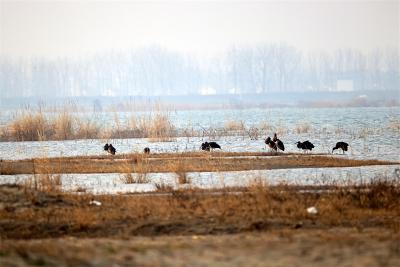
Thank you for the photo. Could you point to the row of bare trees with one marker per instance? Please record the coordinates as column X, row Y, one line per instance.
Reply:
column 157, row 71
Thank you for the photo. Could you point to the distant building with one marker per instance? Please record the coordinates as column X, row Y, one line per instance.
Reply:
column 344, row 85
column 208, row 91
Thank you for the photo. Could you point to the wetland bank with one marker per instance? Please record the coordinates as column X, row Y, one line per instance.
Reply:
column 69, row 203
column 64, row 201
column 108, row 110
column 244, row 226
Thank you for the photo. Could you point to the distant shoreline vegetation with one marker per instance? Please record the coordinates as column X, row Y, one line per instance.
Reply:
column 73, row 121
column 261, row 68
column 363, row 98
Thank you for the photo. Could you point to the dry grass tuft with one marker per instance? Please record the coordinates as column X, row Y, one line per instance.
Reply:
column 63, row 126
column 304, row 127
column 233, row 125
column 183, row 178
column 179, row 162
column 265, row 126
column 160, row 128
column 378, row 194
column 44, row 182
column 87, row 129
column 163, row 187
column 195, row 211
column 30, row 127
column 394, row 125
column 136, row 178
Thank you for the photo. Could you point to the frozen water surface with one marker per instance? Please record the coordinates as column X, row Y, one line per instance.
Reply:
column 106, row 183
column 369, row 131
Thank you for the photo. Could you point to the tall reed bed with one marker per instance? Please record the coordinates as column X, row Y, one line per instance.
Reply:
column 36, row 125
column 64, row 122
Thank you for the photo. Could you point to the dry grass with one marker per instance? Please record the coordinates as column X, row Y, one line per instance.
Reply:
column 135, row 178
column 29, row 127
column 303, row 127
column 233, row 125
column 288, row 247
column 265, row 126
column 44, row 182
column 394, row 125
column 159, row 128
column 34, row 125
column 163, row 187
column 87, row 129
column 179, row 162
column 183, row 178
column 258, row 207
column 63, row 126
column 155, row 124
column 253, row 133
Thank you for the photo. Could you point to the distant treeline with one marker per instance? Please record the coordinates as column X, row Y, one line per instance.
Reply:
column 157, row 71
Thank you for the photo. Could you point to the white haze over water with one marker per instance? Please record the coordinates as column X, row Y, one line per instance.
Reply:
column 130, row 48
column 203, row 29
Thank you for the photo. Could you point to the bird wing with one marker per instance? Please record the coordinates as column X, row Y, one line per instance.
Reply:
column 280, row 145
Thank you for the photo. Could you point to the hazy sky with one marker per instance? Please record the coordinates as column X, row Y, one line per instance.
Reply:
column 78, row 28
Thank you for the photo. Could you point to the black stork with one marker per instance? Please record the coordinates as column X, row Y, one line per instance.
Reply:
column 271, row 143
column 306, row 145
column 341, row 145
column 278, row 142
column 207, row 146
column 110, row 149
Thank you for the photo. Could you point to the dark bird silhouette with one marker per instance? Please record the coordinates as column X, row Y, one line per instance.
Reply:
column 271, row 144
column 209, row 146
column 110, row 149
column 341, row 145
column 205, row 146
column 279, row 143
column 275, row 138
column 106, row 147
column 306, row 145
column 146, row 150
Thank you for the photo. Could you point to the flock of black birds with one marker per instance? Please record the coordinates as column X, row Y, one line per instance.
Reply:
column 306, row 145
column 274, row 144
column 208, row 146
column 110, row 149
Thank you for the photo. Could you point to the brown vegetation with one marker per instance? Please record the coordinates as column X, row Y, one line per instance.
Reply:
column 156, row 124
column 31, row 125
column 273, row 248
column 178, row 162
column 27, row 213
column 303, row 127
column 40, row 225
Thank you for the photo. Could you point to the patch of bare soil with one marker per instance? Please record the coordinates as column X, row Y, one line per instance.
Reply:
column 262, row 226
column 179, row 162
column 334, row 247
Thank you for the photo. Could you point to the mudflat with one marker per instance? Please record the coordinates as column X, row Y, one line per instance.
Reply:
column 257, row 226
column 301, row 247
column 180, row 162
